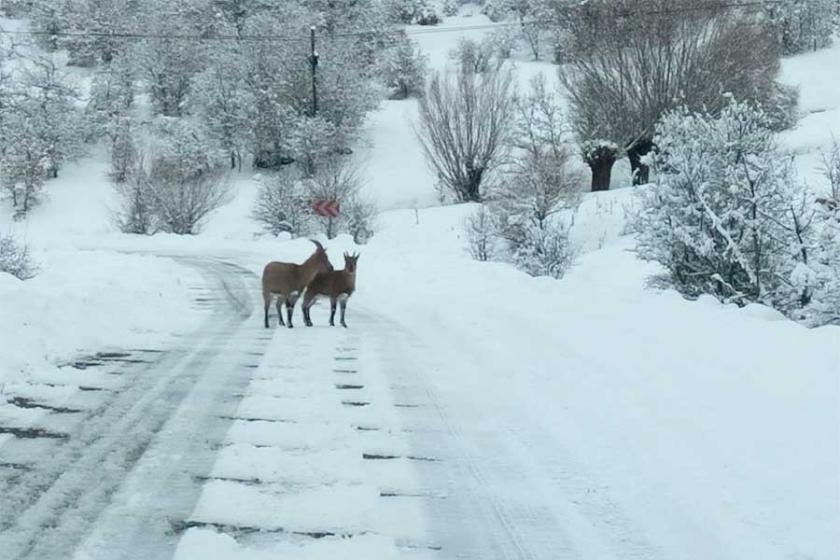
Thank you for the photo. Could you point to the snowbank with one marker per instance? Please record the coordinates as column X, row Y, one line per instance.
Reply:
column 86, row 301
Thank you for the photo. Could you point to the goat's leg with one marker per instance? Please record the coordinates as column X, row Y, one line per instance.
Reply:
column 279, row 306
column 267, row 302
column 343, row 310
column 308, row 300
column 332, row 311
column 291, row 300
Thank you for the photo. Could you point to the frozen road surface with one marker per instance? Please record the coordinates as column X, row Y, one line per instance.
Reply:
column 380, row 441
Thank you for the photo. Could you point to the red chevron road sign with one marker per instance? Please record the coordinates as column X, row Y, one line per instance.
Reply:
column 327, row 208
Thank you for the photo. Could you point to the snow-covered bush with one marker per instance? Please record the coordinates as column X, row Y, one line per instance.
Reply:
column 182, row 203
column 283, row 205
column 404, row 68
column 337, row 179
column 15, row 258
column 179, row 180
column 481, row 232
column 543, row 250
column 780, row 106
column 135, row 213
column 360, row 214
column 727, row 216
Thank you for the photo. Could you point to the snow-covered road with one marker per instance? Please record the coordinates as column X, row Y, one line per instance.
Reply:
column 405, row 436
column 315, row 442
column 106, row 463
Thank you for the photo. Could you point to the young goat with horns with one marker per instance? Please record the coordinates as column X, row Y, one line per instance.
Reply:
column 339, row 285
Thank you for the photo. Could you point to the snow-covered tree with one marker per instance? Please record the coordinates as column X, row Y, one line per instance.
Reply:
column 167, row 62
column 41, row 129
column 800, row 25
column 50, row 98
column 219, row 97
column 412, row 11
column 311, row 141
column 404, row 68
column 727, row 216
column 279, row 80
column 88, row 29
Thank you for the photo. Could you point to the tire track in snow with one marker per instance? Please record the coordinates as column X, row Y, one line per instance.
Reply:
column 58, row 502
column 504, row 528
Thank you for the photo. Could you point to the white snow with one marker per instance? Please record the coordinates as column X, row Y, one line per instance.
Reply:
column 649, row 425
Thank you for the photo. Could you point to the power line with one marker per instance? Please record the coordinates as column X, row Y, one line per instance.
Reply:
column 378, row 32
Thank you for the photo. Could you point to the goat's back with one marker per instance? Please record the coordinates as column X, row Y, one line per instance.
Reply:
column 280, row 278
column 331, row 283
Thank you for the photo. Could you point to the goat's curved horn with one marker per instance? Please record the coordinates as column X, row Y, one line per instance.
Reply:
column 317, row 244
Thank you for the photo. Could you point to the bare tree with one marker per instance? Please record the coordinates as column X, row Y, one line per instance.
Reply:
column 651, row 57
column 182, row 203
column 282, row 205
column 465, row 120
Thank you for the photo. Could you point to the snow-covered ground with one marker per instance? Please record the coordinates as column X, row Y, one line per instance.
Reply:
column 591, row 417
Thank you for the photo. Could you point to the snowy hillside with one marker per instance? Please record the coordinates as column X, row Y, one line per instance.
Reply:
column 470, row 410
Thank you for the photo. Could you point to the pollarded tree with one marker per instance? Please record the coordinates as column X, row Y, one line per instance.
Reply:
column 465, row 122
column 652, row 57
column 727, row 216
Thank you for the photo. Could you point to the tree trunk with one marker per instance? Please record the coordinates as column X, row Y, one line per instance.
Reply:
column 641, row 172
column 601, row 172
column 472, row 190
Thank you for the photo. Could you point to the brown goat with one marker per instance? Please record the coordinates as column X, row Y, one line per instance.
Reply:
column 339, row 285
column 288, row 280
